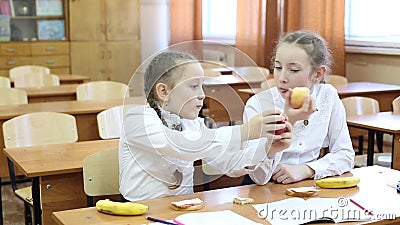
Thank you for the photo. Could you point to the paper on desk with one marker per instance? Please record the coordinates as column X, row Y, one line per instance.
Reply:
column 225, row 217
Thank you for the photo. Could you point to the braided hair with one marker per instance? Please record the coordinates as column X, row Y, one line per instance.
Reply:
column 161, row 69
column 313, row 44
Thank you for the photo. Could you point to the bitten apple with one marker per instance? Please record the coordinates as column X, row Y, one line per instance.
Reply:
column 299, row 94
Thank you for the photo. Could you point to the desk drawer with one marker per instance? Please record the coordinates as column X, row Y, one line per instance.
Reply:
column 11, row 49
column 51, row 60
column 9, row 62
column 50, row 48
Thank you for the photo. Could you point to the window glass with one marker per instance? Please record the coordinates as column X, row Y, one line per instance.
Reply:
column 372, row 23
column 219, row 20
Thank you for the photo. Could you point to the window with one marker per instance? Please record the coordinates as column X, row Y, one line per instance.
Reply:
column 372, row 24
column 219, row 20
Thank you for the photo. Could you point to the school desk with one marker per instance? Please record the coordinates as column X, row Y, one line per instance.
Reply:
column 56, row 172
column 372, row 188
column 72, row 79
column 386, row 122
column 85, row 113
column 384, row 93
column 65, row 92
column 223, row 101
column 69, row 79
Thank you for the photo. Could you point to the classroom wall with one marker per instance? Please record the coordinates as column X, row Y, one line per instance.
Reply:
column 373, row 67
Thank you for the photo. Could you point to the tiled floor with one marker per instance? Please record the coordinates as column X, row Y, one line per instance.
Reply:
column 13, row 208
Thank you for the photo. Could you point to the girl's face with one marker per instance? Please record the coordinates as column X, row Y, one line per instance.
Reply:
column 292, row 68
column 186, row 97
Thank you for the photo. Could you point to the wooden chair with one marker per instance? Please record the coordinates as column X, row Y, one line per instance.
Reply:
column 5, row 82
column 13, row 96
column 101, row 174
column 55, row 80
column 27, row 69
column 109, row 121
column 336, row 80
column 357, row 106
column 32, row 129
column 396, row 105
column 211, row 73
column 101, row 90
column 36, row 80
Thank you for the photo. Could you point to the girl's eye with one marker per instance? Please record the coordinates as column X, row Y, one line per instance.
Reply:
column 195, row 86
column 294, row 70
column 277, row 67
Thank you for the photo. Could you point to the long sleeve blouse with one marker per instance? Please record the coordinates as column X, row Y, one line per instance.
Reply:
column 151, row 153
column 326, row 128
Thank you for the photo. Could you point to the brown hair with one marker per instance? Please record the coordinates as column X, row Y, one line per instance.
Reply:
column 314, row 45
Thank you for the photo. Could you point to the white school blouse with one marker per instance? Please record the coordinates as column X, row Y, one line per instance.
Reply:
column 327, row 127
column 150, row 153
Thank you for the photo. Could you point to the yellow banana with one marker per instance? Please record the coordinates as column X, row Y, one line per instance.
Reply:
column 338, row 182
column 121, row 208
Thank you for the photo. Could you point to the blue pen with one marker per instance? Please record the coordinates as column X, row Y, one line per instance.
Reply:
column 159, row 220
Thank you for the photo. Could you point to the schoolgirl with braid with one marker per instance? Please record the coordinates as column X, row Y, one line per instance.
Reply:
column 161, row 140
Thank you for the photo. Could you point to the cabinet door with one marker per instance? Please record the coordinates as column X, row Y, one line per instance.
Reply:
column 123, row 19
column 89, row 59
column 87, row 20
column 123, row 59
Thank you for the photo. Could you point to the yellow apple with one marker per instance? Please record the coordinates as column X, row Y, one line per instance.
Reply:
column 299, row 94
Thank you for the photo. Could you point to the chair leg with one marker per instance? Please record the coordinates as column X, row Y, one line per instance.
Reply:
column 1, row 206
column 379, row 141
column 360, row 145
column 28, row 214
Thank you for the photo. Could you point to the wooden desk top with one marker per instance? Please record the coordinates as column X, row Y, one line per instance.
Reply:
column 72, row 77
column 51, row 90
column 365, row 87
column 372, row 180
column 70, row 107
column 45, row 160
column 383, row 121
column 231, row 79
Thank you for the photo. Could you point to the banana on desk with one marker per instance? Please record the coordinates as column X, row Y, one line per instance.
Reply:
column 338, row 182
column 121, row 208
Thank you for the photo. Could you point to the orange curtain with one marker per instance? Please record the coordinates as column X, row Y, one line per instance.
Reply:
column 185, row 20
column 262, row 22
column 325, row 17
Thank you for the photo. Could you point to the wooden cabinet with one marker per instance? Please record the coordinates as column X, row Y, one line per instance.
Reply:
column 114, row 60
column 52, row 54
column 105, row 43
column 104, row 20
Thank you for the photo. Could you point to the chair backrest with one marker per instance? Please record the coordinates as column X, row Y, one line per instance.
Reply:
column 13, row 96
column 109, row 121
column 396, row 105
column 101, row 173
column 211, row 73
column 39, row 128
column 268, row 83
column 253, row 71
column 357, row 106
column 5, row 82
column 336, row 80
column 28, row 69
column 36, row 80
column 101, row 90
column 55, row 80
